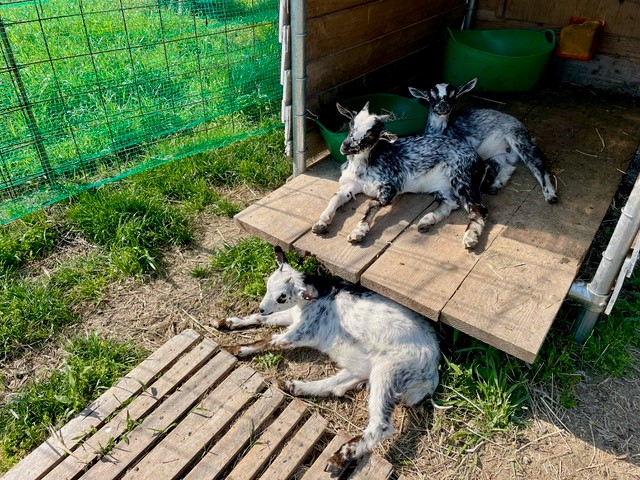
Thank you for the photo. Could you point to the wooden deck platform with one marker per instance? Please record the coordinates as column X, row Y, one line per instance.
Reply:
column 508, row 290
column 191, row 411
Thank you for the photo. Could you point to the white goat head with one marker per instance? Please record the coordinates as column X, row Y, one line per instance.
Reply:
column 442, row 97
column 365, row 131
column 286, row 288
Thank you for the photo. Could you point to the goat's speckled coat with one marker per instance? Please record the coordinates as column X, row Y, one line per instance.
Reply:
column 500, row 139
column 371, row 338
column 382, row 166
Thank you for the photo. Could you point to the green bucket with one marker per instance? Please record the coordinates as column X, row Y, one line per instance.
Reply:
column 510, row 60
column 410, row 118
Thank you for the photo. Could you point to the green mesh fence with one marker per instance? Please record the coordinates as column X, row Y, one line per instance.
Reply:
column 92, row 91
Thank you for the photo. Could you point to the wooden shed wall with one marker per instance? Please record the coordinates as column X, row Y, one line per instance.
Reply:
column 617, row 63
column 362, row 46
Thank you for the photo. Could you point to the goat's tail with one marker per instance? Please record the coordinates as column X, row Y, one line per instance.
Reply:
column 523, row 146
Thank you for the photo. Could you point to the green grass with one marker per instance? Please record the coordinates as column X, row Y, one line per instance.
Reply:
column 91, row 366
column 145, row 96
column 243, row 267
column 30, row 314
column 30, row 238
column 131, row 225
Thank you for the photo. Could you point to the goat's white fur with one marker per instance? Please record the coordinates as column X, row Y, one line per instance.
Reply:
column 371, row 338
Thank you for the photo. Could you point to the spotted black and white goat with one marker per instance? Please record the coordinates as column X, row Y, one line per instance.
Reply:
column 382, row 166
column 372, row 339
column 500, row 139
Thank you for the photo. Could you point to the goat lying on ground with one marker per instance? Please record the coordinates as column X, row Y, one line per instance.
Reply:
column 499, row 139
column 382, row 166
column 371, row 338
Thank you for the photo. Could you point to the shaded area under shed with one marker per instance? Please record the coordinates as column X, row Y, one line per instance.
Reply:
column 508, row 290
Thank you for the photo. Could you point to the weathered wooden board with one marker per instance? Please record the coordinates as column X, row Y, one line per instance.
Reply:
column 372, row 468
column 423, row 270
column 317, row 470
column 296, row 450
column 345, row 65
column 286, row 214
column 237, row 438
column 145, row 435
column 346, row 28
column 89, row 450
column 349, row 260
column 53, row 451
column 186, row 442
column 268, row 443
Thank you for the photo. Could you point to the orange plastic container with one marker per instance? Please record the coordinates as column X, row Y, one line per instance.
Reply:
column 580, row 38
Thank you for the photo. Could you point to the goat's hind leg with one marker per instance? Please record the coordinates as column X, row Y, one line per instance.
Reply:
column 281, row 319
column 382, row 401
column 532, row 157
column 336, row 385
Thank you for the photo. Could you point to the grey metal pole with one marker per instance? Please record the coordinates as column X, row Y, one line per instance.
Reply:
column 469, row 14
column 595, row 294
column 299, row 83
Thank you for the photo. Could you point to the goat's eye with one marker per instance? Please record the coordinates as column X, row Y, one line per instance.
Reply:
column 282, row 298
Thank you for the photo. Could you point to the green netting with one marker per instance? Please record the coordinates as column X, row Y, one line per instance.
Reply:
column 92, row 91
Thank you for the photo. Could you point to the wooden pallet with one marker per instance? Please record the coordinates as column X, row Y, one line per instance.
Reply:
column 191, row 411
column 508, row 290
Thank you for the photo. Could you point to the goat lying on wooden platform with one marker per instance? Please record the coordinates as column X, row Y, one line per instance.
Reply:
column 499, row 139
column 382, row 166
column 371, row 338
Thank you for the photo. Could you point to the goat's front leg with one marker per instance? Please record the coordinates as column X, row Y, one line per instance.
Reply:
column 385, row 195
column 443, row 210
column 364, row 225
column 345, row 193
column 282, row 319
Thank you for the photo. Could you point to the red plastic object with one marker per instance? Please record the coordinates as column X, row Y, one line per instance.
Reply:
column 597, row 38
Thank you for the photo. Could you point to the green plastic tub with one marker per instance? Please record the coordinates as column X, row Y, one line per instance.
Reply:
column 410, row 117
column 510, row 60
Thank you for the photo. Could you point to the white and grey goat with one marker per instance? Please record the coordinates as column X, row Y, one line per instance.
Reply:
column 382, row 166
column 372, row 339
column 499, row 139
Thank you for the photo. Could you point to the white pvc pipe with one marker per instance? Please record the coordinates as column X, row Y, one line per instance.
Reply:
column 299, row 83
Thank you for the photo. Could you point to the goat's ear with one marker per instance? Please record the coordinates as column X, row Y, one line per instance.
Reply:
column 344, row 111
column 308, row 292
column 387, row 136
column 280, row 258
column 418, row 93
column 467, row 87
column 366, row 107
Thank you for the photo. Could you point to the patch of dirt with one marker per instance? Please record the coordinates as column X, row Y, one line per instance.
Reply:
column 599, row 439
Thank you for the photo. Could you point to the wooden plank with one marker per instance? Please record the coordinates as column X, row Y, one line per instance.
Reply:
column 347, row 260
column 345, row 65
column 269, row 442
column 511, row 297
column 423, row 270
column 284, row 215
column 145, row 435
column 296, row 450
column 170, row 457
column 318, row 8
column 373, row 467
column 347, row 28
column 87, row 452
column 219, row 457
column 53, row 450
column 317, row 470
